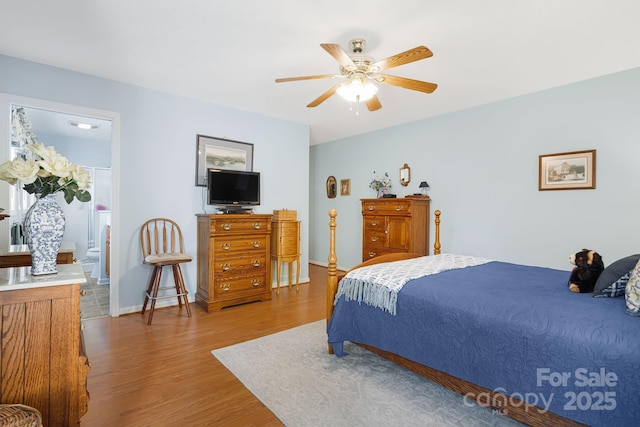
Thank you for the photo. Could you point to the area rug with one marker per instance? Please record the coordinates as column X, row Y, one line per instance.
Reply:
column 294, row 376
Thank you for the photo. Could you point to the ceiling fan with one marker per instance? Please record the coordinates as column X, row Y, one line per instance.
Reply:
column 360, row 71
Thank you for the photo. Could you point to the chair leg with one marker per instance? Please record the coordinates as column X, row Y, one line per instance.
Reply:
column 152, row 280
column 176, row 283
column 154, row 298
column 180, row 287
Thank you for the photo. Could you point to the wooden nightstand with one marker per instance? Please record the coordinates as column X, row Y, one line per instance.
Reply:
column 285, row 247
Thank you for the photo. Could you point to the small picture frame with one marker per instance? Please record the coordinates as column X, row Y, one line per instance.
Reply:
column 332, row 187
column 575, row 170
column 345, row 187
column 219, row 153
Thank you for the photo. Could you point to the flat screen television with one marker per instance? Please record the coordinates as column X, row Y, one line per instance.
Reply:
column 233, row 188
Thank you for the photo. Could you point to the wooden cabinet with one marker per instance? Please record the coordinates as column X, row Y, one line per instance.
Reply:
column 233, row 260
column 285, row 247
column 395, row 225
column 43, row 361
column 19, row 256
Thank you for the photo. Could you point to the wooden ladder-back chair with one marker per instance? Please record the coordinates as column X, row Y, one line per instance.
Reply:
column 162, row 246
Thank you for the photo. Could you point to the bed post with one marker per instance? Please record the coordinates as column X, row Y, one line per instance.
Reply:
column 436, row 245
column 332, row 278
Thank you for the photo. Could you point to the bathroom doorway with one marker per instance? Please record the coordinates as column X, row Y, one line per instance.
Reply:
column 57, row 125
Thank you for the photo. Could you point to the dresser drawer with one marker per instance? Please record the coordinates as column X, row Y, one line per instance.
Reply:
column 288, row 248
column 372, row 251
column 232, row 287
column 222, row 245
column 224, row 226
column 240, row 264
column 286, row 230
column 289, row 240
column 386, row 207
column 373, row 223
column 374, row 238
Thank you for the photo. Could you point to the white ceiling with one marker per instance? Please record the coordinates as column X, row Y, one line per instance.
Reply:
column 46, row 122
column 230, row 51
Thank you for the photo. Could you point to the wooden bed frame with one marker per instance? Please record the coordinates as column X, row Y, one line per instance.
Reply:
column 500, row 403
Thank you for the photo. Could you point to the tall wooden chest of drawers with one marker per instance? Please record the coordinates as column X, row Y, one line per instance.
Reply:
column 234, row 261
column 395, row 225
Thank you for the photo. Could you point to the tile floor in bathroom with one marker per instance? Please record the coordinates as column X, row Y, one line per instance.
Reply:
column 95, row 302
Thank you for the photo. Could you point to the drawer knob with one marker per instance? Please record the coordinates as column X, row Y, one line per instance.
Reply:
column 257, row 225
column 226, row 227
column 83, row 292
column 226, row 246
column 256, row 244
column 374, row 238
column 256, row 263
column 226, row 266
column 371, row 207
column 225, row 286
column 374, row 223
column 372, row 254
column 255, row 282
column 398, row 208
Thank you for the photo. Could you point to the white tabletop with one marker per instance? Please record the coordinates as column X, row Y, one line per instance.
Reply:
column 20, row 277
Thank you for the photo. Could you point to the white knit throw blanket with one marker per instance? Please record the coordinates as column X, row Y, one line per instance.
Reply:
column 378, row 285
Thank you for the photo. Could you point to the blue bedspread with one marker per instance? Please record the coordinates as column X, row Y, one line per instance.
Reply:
column 514, row 329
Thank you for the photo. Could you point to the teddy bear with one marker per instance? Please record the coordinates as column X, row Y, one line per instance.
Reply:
column 588, row 267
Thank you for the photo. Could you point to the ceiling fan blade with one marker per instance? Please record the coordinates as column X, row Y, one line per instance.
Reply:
column 373, row 103
column 293, row 79
column 407, row 83
column 339, row 54
column 411, row 55
column 319, row 100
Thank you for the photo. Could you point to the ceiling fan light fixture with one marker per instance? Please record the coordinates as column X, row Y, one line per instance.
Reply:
column 357, row 90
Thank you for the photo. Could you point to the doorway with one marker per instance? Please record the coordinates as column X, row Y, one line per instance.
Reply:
column 56, row 125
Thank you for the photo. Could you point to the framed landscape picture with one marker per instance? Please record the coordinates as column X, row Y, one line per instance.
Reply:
column 219, row 153
column 574, row 170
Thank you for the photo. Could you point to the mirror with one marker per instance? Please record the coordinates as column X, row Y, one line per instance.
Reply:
column 405, row 175
column 90, row 148
column 50, row 123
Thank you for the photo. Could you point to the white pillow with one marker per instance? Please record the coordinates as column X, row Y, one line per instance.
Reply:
column 632, row 292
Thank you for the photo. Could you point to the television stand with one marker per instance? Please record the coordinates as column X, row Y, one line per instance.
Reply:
column 235, row 210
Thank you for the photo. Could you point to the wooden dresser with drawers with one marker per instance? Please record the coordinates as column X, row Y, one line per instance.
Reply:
column 234, row 260
column 395, row 225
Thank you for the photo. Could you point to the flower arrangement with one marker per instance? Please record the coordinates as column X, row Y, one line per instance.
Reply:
column 47, row 173
column 378, row 183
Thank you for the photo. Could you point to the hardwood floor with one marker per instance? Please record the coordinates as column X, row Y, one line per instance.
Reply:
column 165, row 375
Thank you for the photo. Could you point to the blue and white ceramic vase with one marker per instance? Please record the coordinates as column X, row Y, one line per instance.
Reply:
column 44, row 226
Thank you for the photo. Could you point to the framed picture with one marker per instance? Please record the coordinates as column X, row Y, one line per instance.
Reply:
column 331, row 187
column 219, row 153
column 345, row 187
column 575, row 170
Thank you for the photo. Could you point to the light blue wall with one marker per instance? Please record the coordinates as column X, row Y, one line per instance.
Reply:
column 482, row 167
column 158, row 149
